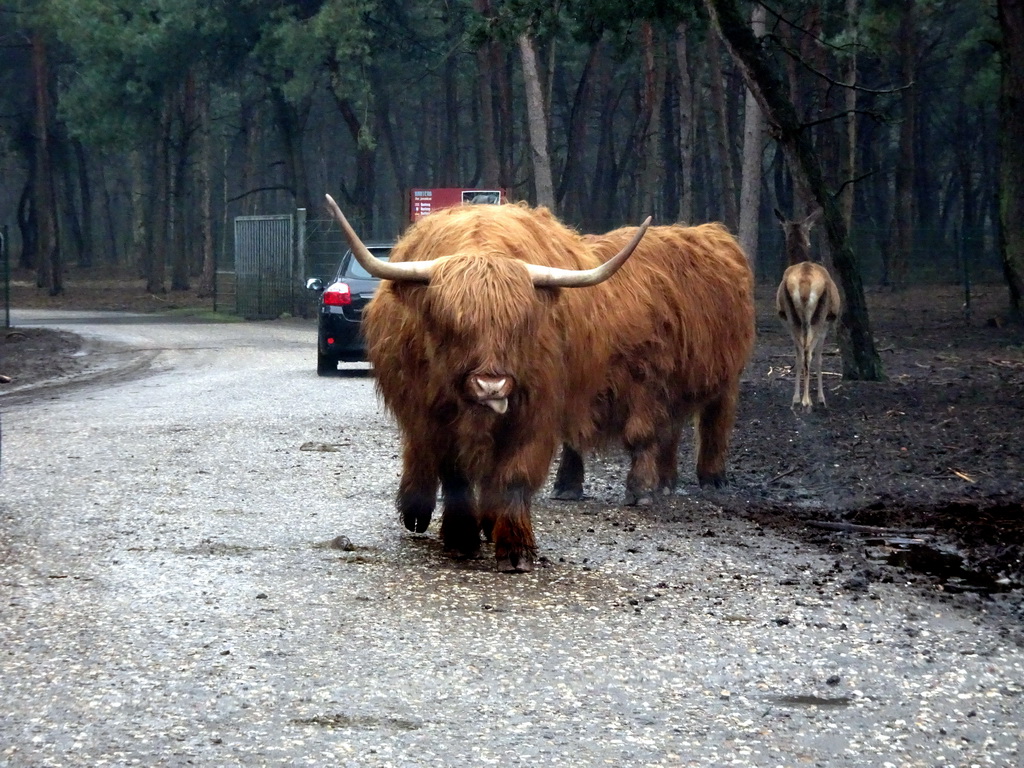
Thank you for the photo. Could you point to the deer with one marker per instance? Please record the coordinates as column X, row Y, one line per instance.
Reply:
column 808, row 304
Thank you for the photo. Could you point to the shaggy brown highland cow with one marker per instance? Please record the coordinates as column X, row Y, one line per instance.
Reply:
column 677, row 327
column 498, row 334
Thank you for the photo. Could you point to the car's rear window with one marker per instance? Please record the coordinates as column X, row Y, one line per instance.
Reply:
column 355, row 269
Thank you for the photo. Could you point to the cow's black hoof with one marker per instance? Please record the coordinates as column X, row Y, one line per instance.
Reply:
column 568, row 493
column 416, row 521
column 716, row 480
column 515, row 564
column 465, row 544
column 634, row 499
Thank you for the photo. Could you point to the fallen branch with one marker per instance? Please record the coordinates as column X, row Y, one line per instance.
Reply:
column 781, row 475
column 962, row 476
column 1012, row 364
column 872, row 529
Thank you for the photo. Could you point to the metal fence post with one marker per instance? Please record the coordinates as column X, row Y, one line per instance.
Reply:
column 5, row 255
column 299, row 265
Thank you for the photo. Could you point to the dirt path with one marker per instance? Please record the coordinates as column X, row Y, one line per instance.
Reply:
column 939, row 446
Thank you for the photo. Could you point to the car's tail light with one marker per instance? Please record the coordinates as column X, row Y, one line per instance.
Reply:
column 337, row 295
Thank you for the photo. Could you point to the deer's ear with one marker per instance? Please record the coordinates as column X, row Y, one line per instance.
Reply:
column 812, row 218
column 779, row 216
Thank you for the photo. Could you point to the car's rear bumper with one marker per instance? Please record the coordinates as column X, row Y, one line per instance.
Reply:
column 340, row 337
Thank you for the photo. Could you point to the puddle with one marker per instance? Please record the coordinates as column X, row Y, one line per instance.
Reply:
column 365, row 722
column 219, row 549
column 353, row 554
column 921, row 555
column 808, row 700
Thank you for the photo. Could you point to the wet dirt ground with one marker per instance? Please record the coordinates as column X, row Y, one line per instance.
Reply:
column 928, row 465
column 200, row 564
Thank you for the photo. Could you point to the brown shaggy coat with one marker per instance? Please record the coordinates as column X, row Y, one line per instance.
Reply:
column 678, row 323
column 662, row 339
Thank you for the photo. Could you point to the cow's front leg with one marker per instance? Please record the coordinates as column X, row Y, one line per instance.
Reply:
column 460, row 528
column 417, row 491
column 509, row 508
column 640, row 481
column 641, row 439
column 569, row 478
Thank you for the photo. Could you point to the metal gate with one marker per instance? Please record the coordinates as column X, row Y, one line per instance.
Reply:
column 264, row 266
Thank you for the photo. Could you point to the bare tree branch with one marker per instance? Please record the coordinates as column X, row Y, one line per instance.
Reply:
column 257, row 190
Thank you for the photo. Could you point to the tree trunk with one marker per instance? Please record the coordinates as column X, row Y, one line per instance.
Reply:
column 753, row 141
column 177, row 194
column 860, row 358
column 722, row 135
column 968, row 242
column 209, row 266
column 903, row 208
column 846, row 197
column 155, row 255
column 538, row 125
column 506, row 129
column 450, row 173
column 27, row 222
column 141, row 195
column 363, row 189
column 290, row 121
column 650, row 126
column 387, row 133
column 572, row 187
column 487, row 138
column 85, row 257
column 686, row 127
column 44, row 199
column 66, row 191
column 1011, row 163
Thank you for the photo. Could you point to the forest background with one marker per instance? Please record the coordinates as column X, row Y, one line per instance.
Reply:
column 132, row 133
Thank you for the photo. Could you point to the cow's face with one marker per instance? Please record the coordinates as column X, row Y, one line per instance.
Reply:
column 489, row 326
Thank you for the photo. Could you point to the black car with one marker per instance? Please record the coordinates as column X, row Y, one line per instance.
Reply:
column 341, row 309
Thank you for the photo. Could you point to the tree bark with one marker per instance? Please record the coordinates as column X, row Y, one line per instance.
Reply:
column 722, row 144
column 1011, row 163
column 686, row 127
column 648, row 154
column 203, row 178
column 85, row 257
column 860, row 358
column 753, row 141
column 450, row 173
column 179, row 208
column 142, row 192
column 155, row 255
column 571, row 191
column 290, row 121
column 846, row 197
column 364, row 188
column 903, row 205
column 538, row 125
column 44, row 199
column 487, row 138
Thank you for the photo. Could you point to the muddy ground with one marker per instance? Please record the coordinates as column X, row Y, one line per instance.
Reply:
column 927, row 466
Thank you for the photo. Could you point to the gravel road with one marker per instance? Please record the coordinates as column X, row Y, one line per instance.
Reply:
column 171, row 596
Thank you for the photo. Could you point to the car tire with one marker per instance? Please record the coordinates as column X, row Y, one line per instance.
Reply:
column 326, row 365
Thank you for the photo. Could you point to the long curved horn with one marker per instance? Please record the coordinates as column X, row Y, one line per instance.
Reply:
column 553, row 277
column 404, row 271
